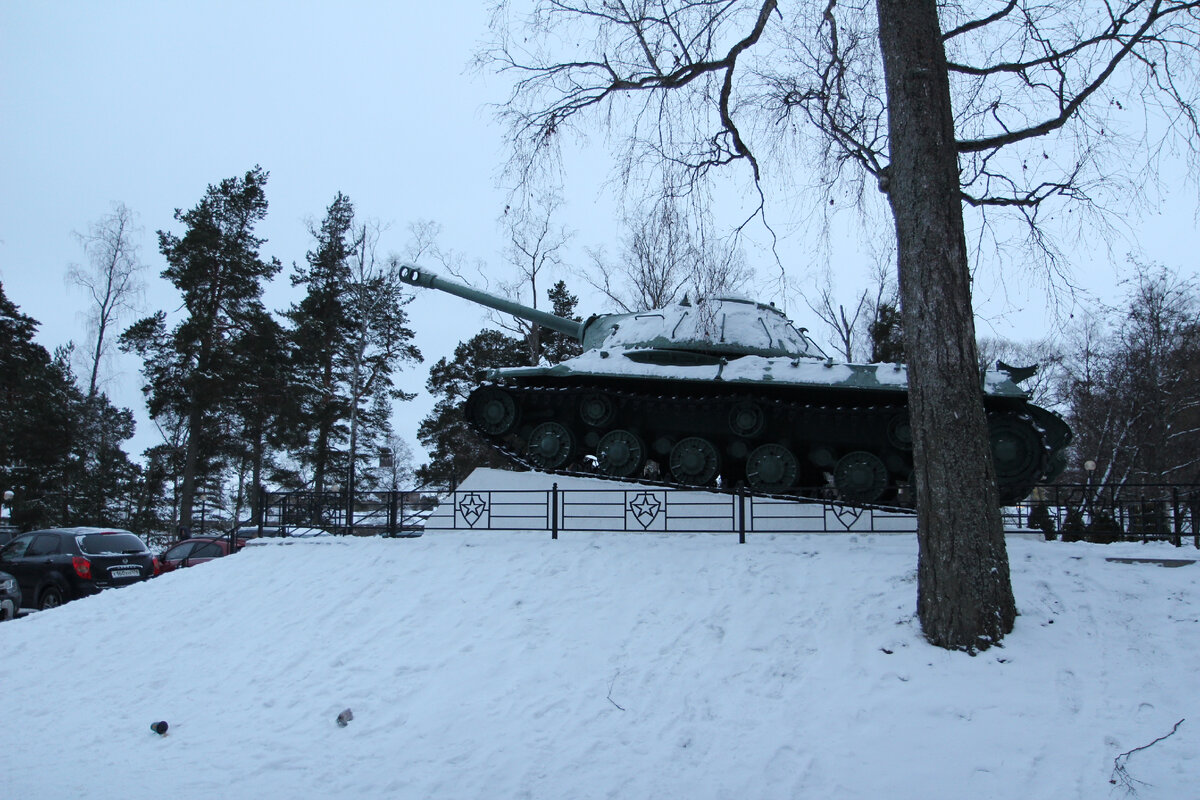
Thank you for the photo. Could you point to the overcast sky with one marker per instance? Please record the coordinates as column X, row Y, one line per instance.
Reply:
column 147, row 103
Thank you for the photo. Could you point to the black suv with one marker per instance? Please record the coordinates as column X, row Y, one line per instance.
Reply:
column 54, row 566
column 10, row 597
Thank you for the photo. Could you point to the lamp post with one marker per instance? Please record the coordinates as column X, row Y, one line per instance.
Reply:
column 1089, row 467
column 8, row 496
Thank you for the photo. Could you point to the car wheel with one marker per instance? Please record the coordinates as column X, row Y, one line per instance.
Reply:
column 52, row 597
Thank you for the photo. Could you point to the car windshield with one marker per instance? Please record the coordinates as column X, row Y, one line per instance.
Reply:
column 95, row 544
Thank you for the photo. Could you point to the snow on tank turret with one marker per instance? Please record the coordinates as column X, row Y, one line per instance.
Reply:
column 729, row 388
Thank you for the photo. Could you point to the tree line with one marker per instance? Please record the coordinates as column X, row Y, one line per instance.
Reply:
column 241, row 396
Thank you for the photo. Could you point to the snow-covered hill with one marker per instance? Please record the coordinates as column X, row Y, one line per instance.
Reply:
column 490, row 665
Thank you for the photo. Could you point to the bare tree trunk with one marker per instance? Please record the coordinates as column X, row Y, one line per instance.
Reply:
column 964, row 595
column 190, row 458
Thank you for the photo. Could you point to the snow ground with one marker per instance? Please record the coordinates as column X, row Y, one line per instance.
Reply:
column 507, row 665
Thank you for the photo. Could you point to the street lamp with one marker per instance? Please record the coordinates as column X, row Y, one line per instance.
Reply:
column 8, row 496
column 1089, row 467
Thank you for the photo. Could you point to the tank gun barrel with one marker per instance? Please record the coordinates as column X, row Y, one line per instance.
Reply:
column 417, row 276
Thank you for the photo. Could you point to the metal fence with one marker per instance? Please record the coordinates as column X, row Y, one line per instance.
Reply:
column 1112, row 512
column 658, row 509
column 400, row 513
column 1072, row 512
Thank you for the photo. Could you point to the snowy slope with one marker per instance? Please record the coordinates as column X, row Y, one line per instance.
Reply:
column 488, row 665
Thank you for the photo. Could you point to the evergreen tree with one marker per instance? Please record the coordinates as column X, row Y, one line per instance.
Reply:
column 60, row 451
column 100, row 477
column 265, row 410
column 217, row 269
column 35, row 415
column 887, row 335
column 558, row 347
column 319, row 323
column 454, row 448
column 378, row 337
column 348, row 334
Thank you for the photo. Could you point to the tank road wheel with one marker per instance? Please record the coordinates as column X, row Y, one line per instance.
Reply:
column 1017, row 453
column 1016, row 448
column 860, row 477
column 550, row 446
column 620, row 453
column 695, row 461
column 771, row 468
column 746, row 419
column 899, row 432
column 492, row 410
column 596, row 410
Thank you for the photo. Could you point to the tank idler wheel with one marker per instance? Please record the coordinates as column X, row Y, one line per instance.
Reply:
column 695, row 461
column 746, row 419
column 596, row 410
column 551, row 445
column 771, row 468
column 1016, row 449
column 492, row 410
column 860, row 477
column 620, row 453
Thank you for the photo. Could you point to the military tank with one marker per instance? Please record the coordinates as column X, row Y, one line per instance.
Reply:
column 728, row 389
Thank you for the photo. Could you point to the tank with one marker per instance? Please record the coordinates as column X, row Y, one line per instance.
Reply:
column 728, row 390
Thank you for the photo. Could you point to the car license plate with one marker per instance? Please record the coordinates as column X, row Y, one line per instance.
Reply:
column 125, row 573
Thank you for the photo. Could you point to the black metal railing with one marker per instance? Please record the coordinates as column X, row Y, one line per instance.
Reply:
column 1113, row 512
column 399, row 513
column 659, row 509
column 1071, row 512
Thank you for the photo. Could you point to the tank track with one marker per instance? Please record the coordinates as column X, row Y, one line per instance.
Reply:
column 560, row 404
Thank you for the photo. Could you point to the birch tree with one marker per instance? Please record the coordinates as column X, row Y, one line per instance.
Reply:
column 112, row 280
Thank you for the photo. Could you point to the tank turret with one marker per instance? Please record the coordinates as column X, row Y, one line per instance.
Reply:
column 729, row 389
column 721, row 328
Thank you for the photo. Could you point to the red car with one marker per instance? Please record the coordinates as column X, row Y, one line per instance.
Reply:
column 196, row 550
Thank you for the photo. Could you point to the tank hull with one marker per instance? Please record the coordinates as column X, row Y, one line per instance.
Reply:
column 776, row 425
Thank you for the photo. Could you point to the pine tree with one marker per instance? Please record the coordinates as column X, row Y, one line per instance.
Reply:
column 264, row 411
column 217, row 269
column 558, row 347
column 60, row 450
column 349, row 332
column 319, row 322
column 35, row 418
column 454, row 448
column 887, row 335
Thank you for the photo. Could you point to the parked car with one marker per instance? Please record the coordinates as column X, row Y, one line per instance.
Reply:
column 196, row 550
column 61, row 564
column 252, row 531
column 8, row 533
column 10, row 597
